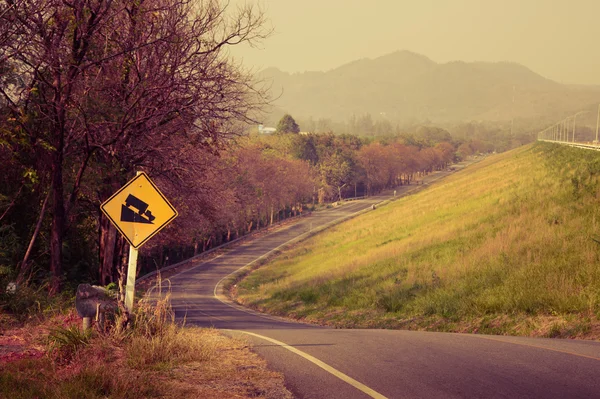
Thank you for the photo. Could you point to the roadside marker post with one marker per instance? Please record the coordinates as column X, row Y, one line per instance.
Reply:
column 138, row 210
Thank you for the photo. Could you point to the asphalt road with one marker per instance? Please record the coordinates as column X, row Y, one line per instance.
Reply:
column 330, row 363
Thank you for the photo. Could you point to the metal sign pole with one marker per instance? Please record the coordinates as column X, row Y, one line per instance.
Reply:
column 131, row 272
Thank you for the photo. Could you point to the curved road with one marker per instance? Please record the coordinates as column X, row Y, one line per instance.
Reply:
column 330, row 363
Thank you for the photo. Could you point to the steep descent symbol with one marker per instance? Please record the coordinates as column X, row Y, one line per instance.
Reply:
column 129, row 210
column 141, row 214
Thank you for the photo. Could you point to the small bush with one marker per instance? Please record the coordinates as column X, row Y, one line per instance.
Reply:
column 26, row 302
column 33, row 302
column 308, row 295
column 64, row 343
column 394, row 299
column 153, row 317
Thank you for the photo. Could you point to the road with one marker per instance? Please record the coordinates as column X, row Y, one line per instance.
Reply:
column 327, row 363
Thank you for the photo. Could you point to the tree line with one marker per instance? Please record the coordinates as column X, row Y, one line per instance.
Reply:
column 264, row 179
column 496, row 136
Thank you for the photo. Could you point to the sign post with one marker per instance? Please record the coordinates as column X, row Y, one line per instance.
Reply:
column 138, row 210
column 131, row 272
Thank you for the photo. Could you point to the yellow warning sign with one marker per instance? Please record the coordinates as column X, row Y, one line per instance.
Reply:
column 139, row 210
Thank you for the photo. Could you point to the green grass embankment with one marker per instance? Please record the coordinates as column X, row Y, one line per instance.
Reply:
column 505, row 246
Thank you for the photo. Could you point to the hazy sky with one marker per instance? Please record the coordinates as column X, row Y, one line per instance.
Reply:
column 558, row 39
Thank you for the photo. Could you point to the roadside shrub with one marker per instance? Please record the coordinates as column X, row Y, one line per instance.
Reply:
column 157, row 342
column 395, row 298
column 64, row 343
column 26, row 302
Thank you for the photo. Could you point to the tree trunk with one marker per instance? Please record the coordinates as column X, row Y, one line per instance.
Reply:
column 121, row 257
column 108, row 241
column 12, row 203
column 161, row 257
column 58, row 222
column 207, row 244
column 25, row 264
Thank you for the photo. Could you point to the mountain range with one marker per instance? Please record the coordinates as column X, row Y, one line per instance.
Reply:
column 404, row 86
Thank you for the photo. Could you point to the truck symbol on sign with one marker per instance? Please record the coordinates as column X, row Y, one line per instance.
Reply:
column 136, row 211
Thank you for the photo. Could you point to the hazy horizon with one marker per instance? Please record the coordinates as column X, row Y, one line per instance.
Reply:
column 557, row 40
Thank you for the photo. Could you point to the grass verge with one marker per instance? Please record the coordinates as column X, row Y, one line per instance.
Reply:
column 154, row 358
column 506, row 246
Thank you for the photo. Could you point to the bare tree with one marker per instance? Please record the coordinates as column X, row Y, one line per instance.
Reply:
column 122, row 85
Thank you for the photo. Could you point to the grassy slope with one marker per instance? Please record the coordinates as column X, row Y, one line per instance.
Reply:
column 502, row 247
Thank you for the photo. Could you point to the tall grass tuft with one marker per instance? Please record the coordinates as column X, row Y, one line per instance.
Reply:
column 158, row 342
column 65, row 342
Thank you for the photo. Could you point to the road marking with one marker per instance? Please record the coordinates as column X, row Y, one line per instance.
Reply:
column 361, row 387
column 536, row 346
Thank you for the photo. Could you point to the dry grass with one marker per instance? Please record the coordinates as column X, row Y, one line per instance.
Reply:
column 154, row 359
column 510, row 236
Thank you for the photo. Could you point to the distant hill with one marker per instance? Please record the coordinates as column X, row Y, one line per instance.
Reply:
column 405, row 86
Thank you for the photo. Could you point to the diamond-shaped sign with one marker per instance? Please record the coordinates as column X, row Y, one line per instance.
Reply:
column 139, row 210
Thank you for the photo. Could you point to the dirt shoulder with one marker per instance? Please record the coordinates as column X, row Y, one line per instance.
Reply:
column 108, row 367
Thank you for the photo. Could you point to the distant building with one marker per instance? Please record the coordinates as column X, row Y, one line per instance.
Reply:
column 265, row 129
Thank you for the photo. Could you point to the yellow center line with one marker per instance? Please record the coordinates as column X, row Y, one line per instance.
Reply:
column 361, row 387
column 535, row 346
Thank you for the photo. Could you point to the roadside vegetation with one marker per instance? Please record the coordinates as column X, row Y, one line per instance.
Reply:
column 510, row 245
column 49, row 356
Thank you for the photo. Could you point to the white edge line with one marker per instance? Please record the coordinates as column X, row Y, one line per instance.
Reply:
column 360, row 386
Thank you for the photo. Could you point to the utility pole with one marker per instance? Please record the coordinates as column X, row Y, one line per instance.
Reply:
column 597, row 123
